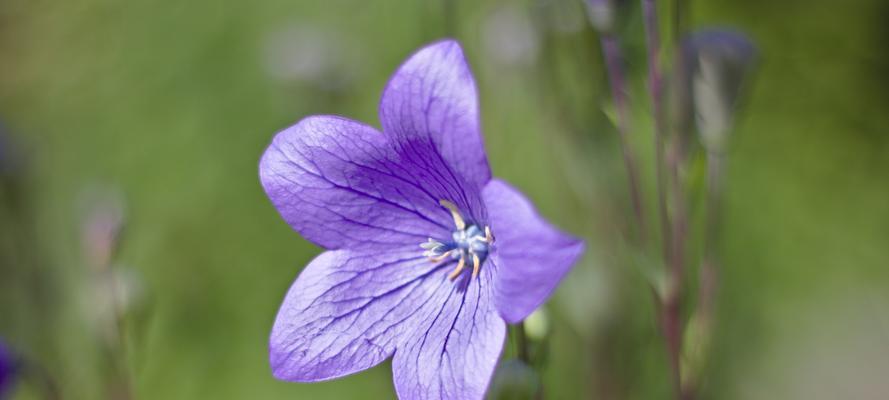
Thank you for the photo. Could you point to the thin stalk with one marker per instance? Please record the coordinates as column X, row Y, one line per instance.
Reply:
column 710, row 265
column 119, row 351
column 709, row 275
column 672, row 234
column 655, row 89
column 522, row 343
column 116, row 344
column 680, row 16
column 673, row 301
column 612, row 54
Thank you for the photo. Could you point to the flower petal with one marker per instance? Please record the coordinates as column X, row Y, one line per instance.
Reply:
column 346, row 311
column 341, row 183
column 453, row 351
column 433, row 97
column 530, row 255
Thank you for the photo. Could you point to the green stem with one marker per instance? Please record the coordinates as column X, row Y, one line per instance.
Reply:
column 523, row 347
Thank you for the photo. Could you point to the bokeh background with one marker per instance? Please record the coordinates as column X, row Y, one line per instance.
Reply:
column 152, row 115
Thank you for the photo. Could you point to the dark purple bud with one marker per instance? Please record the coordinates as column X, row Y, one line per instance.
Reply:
column 719, row 62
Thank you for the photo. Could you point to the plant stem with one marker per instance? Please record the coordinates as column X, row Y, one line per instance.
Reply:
column 677, row 269
column 673, row 235
column 118, row 347
column 680, row 16
column 709, row 275
column 612, row 54
column 652, row 40
column 710, row 263
column 522, row 343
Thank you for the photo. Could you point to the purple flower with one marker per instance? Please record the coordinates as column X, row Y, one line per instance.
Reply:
column 427, row 256
column 7, row 370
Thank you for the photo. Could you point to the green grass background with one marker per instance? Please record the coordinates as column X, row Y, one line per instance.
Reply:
column 170, row 101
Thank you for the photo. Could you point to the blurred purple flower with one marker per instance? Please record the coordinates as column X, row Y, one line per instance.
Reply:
column 427, row 254
column 7, row 370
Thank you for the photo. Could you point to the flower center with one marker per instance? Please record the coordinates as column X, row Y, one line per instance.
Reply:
column 468, row 243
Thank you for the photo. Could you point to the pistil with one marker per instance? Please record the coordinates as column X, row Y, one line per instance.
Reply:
column 467, row 241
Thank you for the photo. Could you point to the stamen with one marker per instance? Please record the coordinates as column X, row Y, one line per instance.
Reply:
column 442, row 257
column 467, row 240
column 453, row 275
column 455, row 213
column 430, row 244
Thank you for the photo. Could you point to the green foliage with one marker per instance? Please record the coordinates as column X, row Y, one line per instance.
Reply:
column 173, row 103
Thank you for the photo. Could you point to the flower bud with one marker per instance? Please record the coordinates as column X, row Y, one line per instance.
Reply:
column 103, row 221
column 720, row 62
column 601, row 14
column 537, row 325
column 109, row 296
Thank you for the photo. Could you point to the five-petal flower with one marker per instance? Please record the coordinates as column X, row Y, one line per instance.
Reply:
column 428, row 256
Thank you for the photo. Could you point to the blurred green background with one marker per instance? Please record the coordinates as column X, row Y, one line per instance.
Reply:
column 168, row 105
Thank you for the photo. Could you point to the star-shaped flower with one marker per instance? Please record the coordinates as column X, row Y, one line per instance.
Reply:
column 428, row 256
